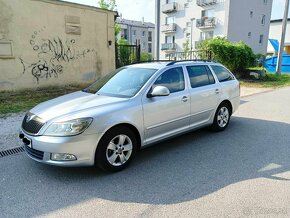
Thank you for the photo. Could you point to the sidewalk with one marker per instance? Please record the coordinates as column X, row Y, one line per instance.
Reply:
column 246, row 91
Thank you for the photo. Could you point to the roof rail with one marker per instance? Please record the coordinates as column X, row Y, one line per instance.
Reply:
column 152, row 61
column 200, row 60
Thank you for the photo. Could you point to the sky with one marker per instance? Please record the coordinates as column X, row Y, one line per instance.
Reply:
column 136, row 9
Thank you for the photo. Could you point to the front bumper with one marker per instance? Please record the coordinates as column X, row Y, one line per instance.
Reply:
column 40, row 148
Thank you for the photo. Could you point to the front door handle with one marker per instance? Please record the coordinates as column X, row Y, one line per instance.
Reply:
column 184, row 99
column 217, row 91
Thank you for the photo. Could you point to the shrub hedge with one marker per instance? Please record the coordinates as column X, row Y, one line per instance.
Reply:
column 235, row 56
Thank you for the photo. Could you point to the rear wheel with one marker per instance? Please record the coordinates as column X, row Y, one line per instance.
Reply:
column 116, row 149
column 222, row 117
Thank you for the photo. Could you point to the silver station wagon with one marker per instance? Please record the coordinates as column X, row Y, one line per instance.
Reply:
column 128, row 109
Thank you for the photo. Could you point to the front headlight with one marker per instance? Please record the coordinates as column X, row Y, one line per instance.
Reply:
column 68, row 128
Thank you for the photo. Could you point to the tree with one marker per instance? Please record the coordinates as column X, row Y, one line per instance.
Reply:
column 110, row 5
column 124, row 52
column 186, row 49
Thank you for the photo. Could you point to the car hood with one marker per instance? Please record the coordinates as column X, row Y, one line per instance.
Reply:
column 72, row 103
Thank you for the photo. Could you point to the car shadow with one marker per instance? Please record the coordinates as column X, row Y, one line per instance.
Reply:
column 178, row 170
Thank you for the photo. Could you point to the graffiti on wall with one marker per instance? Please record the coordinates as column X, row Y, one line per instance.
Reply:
column 52, row 55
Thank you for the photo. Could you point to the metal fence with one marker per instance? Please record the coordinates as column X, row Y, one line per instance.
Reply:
column 127, row 54
column 191, row 55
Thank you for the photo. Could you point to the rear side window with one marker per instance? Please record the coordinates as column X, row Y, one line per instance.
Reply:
column 173, row 79
column 200, row 76
column 222, row 73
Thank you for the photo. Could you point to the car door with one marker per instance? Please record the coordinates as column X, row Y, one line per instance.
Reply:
column 204, row 94
column 167, row 115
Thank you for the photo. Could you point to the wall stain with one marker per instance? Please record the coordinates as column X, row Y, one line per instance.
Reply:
column 6, row 16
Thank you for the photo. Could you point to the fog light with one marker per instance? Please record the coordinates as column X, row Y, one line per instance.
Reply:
column 62, row 157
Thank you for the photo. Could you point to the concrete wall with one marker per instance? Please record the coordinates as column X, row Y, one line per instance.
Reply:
column 46, row 42
column 241, row 23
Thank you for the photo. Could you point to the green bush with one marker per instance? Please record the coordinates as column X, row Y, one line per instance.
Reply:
column 144, row 56
column 235, row 56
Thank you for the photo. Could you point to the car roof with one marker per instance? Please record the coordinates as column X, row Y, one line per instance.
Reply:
column 162, row 64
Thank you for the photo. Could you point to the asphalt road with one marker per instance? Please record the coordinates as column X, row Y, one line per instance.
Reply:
column 241, row 172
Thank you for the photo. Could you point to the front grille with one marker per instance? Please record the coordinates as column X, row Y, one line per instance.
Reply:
column 32, row 125
column 34, row 153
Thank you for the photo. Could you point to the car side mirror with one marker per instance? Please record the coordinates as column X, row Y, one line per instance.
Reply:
column 158, row 91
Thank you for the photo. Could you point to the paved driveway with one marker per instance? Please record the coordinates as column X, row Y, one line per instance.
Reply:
column 242, row 172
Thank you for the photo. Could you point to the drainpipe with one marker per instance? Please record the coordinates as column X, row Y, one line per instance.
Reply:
column 157, row 29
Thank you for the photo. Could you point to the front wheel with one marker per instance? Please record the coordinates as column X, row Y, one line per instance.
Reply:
column 222, row 118
column 116, row 149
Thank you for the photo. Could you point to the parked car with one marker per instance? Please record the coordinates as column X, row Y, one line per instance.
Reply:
column 129, row 109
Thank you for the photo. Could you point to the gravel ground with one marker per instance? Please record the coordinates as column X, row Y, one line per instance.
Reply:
column 9, row 126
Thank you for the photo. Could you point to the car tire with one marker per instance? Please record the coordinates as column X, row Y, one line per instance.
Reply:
column 221, row 118
column 116, row 149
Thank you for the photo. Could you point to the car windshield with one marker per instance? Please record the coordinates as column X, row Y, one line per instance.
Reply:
column 124, row 82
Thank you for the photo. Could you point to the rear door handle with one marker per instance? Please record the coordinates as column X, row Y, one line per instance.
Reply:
column 184, row 99
column 217, row 91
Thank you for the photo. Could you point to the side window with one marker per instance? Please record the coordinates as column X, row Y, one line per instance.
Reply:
column 173, row 79
column 200, row 76
column 222, row 73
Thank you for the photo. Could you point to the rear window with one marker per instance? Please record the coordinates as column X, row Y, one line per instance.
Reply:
column 222, row 73
column 200, row 76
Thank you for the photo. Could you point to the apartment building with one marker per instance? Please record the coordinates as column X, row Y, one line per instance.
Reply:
column 138, row 32
column 276, row 32
column 193, row 21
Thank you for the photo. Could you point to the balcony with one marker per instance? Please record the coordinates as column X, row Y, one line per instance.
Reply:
column 169, row 8
column 169, row 47
column 168, row 28
column 206, row 22
column 204, row 3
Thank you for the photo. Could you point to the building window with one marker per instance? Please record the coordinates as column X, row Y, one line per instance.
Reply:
column 169, row 39
column 206, row 35
column 143, row 33
column 251, row 14
column 261, row 39
column 124, row 34
column 188, row 24
column 249, row 34
column 186, row 5
column 150, row 36
column 169, row 20
column 134, row 32
column 265, row 1
column 263, row 19
column 187, row 35
column 149, row 48
column 207, row 13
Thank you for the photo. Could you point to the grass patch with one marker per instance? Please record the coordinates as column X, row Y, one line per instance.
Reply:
column 270, row 81
column 23, row 100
